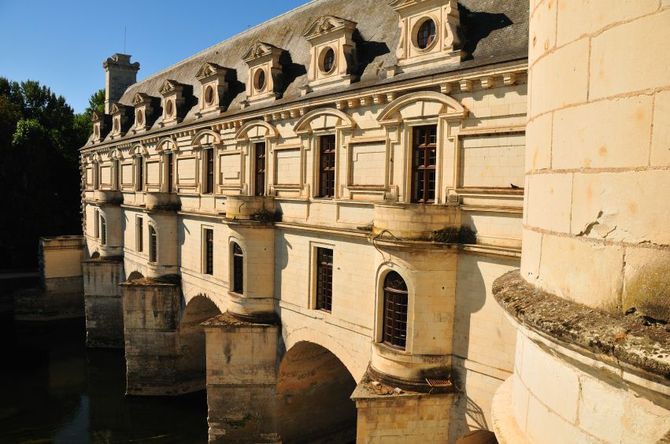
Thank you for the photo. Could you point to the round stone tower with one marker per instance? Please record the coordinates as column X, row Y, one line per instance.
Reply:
column 593, row 295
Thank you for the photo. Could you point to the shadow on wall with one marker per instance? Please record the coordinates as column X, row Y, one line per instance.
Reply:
column 476, row 26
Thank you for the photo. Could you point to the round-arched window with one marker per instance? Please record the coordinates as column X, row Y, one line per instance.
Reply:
column 259, row 79
column 395, row 311
column 238, row 269
column 426, row 33
column 328, row 60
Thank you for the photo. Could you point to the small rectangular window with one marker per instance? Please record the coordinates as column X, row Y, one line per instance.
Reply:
column 96, row 223
column 259, row 169
column 139, row 234
column 208, row 250
column 327, row 166
column 139, row 186
column 209, row 172
column 103, row 231
column 424, row 161
column 324, row 279
column 153, row 244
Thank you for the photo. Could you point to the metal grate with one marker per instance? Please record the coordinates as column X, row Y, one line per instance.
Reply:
column 327, row 166
column 324, row 279
column 260, row 169
column 424, row 160
column 238, row 269
column 395, row 310
column 209, row 251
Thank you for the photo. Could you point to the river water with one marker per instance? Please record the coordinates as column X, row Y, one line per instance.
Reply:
column 52, row 389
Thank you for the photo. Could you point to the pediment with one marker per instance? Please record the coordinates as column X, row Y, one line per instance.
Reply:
column 170, row 86
column 327, row 24
column 141, row 99
column 209, row 69
column 118, row 108
column 96, row 116
column 400, row 4
column 258, row 50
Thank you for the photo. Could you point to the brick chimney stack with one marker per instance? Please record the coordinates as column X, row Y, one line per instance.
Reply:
column 119, row 75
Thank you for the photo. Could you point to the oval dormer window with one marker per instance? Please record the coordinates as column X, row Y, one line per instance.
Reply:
column 116, row 125
column 169, row 108
column 426, row 33
column 96, row 131
column 259, row 80
column 328, row 60
column 209, row 95
column 140, row 118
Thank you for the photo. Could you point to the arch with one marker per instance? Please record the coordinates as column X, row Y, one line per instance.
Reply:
column 313, row 396
column 166, row 144
column 191, row 337
column 138, row 150
column 213, row 138
column 342, row 352
column 270, row 130
column 302, row 126
column 392, row 111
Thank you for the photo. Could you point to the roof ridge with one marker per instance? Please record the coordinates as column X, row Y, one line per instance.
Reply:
column 209, row 48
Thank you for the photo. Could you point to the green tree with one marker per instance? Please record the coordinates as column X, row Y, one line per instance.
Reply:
column 40, row 137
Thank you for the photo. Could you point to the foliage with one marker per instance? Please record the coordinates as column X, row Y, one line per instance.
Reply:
column 40, row 136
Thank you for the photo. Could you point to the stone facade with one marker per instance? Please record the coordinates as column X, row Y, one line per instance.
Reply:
column 597, row 150
column 400, row 154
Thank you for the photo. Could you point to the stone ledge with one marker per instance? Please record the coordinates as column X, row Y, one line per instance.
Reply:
column 229, row 319
column 624, row 339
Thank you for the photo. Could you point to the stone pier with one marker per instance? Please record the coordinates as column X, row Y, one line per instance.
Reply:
column 102, row 297
column 242, row 363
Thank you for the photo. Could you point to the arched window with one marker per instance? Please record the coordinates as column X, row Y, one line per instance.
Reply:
column 238, row 269
column 153, row 244
column 395, row 311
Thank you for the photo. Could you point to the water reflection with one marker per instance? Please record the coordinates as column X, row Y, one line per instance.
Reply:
column 54, row 390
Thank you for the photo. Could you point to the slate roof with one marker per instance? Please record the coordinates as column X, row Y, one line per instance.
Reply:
column 493, row 31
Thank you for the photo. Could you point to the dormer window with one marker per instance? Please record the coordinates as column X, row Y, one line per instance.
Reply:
column 145, row 111
column 121, row 120
column 174, row 101
column 428, row 34
column 265, row 70
column 333, row 53
column 101, row 124
column 212, row 77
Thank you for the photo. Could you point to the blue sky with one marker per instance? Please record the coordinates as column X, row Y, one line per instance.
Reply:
column 62, row 43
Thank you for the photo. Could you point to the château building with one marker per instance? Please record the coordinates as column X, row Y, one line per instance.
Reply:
column 307, row 219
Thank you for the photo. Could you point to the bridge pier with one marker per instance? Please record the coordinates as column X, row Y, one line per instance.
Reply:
column 102, row 302
column 242, row 363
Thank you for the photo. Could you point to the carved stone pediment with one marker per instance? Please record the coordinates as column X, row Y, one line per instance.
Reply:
column 209, row 69
column 141, row 99
column 326, row 25
column 259, row 50
column 170, row 87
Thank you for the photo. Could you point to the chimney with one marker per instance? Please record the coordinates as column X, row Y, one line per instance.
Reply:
column 119, row 75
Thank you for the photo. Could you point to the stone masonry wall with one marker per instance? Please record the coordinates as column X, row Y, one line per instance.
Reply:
column 598, row 153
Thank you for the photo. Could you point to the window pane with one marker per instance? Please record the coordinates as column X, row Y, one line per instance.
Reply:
column 395, row 310
column 238, row 269
column 324, row 279
column 327, row 166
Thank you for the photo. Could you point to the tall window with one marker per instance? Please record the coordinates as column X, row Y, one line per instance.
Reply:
column 209, row 172
column 169, row 160
column 139, row 234
column 238, row 269
column 324, row 279
column 96, row 176
column 259, row 169
column 153, row 244
column 117, row 175
column 103, row 230
column 139, row 186
column 395, row 311
column 424, row 159
column 96, row 223
column 327, row 166
column 208, row 250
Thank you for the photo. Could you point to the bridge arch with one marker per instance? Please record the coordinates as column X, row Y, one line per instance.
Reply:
column 314, row 392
